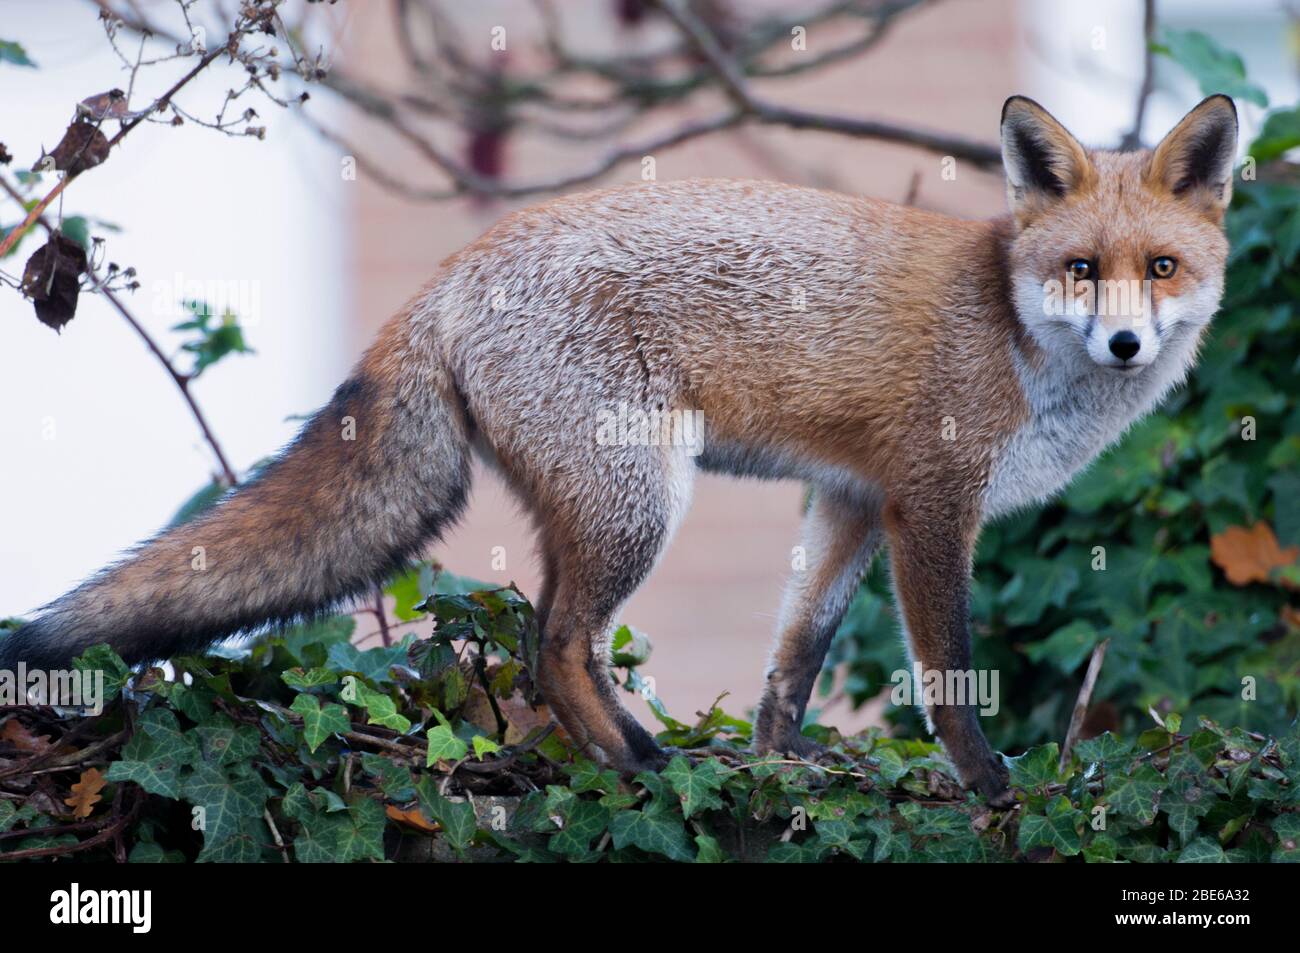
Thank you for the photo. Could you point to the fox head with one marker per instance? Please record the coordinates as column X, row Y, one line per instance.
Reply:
column 1117, row 254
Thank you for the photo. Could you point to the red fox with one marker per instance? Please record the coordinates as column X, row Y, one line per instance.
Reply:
column 923, row 374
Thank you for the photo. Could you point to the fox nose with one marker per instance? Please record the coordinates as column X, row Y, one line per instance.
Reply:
column 1124, row 344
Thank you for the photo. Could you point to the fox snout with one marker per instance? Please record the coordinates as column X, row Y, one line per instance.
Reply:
column 1125, row 345
column 1123, row 332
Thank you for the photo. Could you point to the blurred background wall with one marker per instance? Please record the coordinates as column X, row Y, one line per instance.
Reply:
column 96, row 451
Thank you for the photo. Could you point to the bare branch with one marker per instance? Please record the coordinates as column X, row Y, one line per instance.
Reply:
column 981, row 154
column 456, row 89
column 1133, row 138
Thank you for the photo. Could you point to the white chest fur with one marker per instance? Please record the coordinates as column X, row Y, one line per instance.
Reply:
column 1077, row 409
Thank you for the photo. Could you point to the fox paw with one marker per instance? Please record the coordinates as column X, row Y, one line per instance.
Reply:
column 992, row 782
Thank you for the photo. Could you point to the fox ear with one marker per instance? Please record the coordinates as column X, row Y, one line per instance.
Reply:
column 1042, row 160
column 1195, row 160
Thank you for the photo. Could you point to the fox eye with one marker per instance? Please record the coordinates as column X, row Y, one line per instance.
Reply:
column 1080, row 269
column 1163, row 267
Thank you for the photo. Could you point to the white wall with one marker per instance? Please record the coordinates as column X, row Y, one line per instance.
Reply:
column 1083, row 61
column 125, row 451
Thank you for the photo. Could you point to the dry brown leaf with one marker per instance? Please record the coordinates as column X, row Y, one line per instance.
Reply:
column 1250, row 555
column 412, row 818
column 82, row 147
column 52, row 279
column 109, row 105
column 521, row 720
column 85, row 793
column 18, row 735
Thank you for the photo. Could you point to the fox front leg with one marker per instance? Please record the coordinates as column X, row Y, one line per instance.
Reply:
column 931, row 547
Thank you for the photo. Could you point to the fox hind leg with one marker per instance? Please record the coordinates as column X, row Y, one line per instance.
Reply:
column 841, row 535
column 601, row 545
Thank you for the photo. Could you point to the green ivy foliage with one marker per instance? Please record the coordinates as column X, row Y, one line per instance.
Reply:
column 311, row 749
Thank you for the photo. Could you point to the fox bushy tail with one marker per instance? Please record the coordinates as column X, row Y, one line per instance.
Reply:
column 374, row 475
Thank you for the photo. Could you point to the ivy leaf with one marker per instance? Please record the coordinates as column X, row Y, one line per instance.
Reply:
column 304, row 680
column 313, row 638
column 147, row 852
column 333, row 830
column 708, row 850
column 891, row 844
column 224, row 742
column 1102, row 849
column 893, row 766
column 586, row 775
column 319, row 723
column 1036, row 586
column 576, row 822
column 1287, row 849
column 456, row 818
column 409, row 590
column 1036, row 768
column 443, row 743
column 653, row 830
column 1057, row 829
column 101, row 658
column 1134, row 794
column 629, row 648
column 372, row 664
column 154, row 756
column 1279, row 134
column 1216, row 69
column 395, row 780
column 360, row 832
column 381, row 709
column 484, row 746
column 1203, row 850
column 698, row 788
column 1105, row 747
column 233, row 829
column 1067, row 647
column 11, row 52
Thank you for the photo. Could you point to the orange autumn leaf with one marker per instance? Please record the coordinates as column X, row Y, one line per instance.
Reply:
column 1250, row 555
column 16, row 734
column 85, row 793
column 412, row 818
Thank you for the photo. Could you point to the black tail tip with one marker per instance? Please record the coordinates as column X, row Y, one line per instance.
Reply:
column 30, row 644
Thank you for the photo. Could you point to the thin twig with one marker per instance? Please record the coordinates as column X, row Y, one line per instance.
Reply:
column 275, row 835
column 45, row 762
column 109, row 833
column 182, row 381
column 1081, row 703
column 382, row 616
